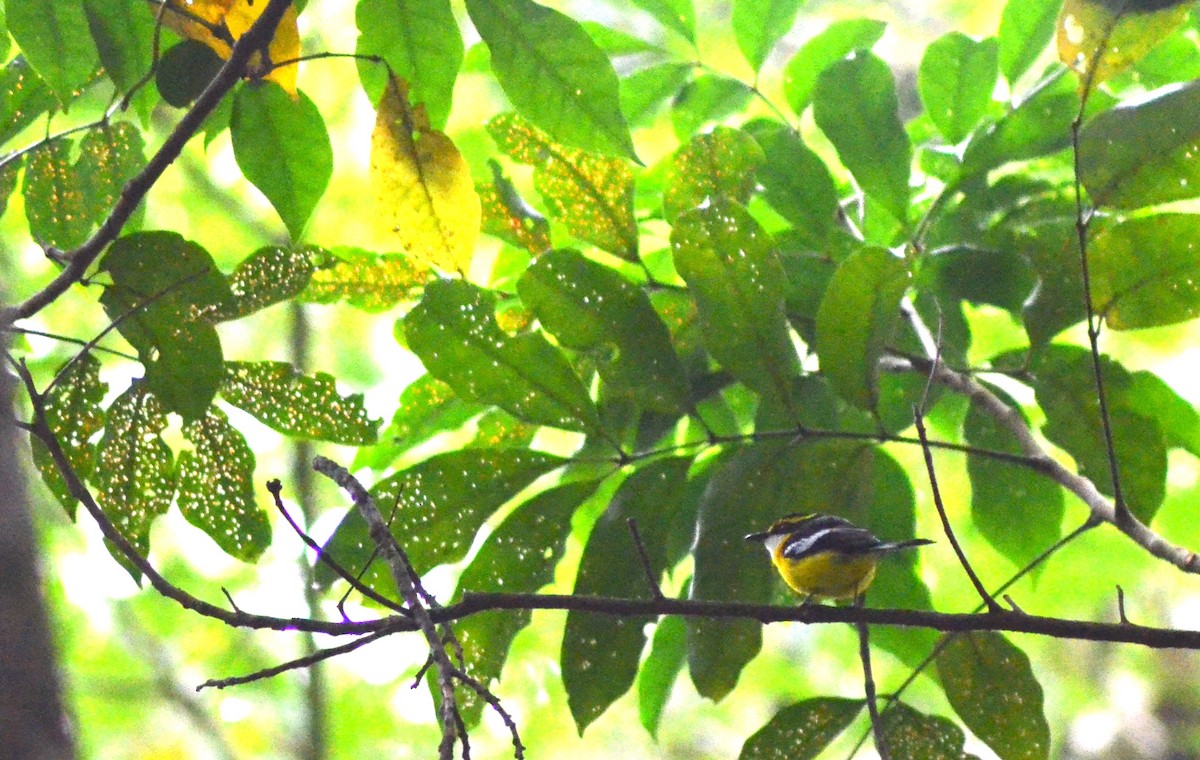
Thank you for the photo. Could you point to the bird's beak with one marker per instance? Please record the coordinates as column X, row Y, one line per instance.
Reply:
column 757, row 537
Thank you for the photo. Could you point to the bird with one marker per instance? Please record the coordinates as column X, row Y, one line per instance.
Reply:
column 823, row 556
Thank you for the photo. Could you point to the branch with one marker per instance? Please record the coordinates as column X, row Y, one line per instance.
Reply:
column 256, row 37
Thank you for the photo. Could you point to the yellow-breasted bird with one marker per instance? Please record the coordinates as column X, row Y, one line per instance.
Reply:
column 825, row 556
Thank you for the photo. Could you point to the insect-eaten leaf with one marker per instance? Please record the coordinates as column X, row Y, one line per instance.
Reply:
column 369, row 281
column 422, row 186
column 508, row 216
column 216, row 22
column 73, row 415
column 1100, row 38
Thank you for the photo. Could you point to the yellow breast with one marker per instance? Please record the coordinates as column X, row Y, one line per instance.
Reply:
column 828, row 575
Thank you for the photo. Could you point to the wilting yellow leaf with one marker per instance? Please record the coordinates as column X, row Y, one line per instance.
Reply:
column 1097, row 42
column 218, row 22
column 422, row 186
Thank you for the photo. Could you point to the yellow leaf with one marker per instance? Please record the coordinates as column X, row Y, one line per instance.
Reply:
column 422, row 186
column 1099, row 42
column 217, row 23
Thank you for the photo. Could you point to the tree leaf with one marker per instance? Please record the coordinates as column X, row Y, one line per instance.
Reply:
column 1066, row 391
column 677, row 15
column 123, row 31
column 1150, row 396
column 135, row 472
column 616, row 43
column 1145, row 154
column 838, row 40
column 369, row 281
column 423, row 190
column 856, row 320
column 165, row 290
column 991, row 685
column 956, row 80
column 436, row 508
column 720, row 164
column 453, row 331
column 426, row 407
column 1100, row 38
column 643, row 93
column 1020, row 516
column 854, row 104
column 281, row 144
column 25, row 97
column 519, row 557
column 802, row 731
column 216, row 487
column 420, row 42
column 266, row 277
column 735, row 277
column 706, row 99
column 184, row 71
column 589, row 307
column 54, row 36
column 910, row 735
column 668, row 652
column 508, row 216
column 554, row 74
column 193, row 19
column 1001, row 278
column 797, row 183
column 759, row 24
column 599, row 653
column 1026, row 27
column 1038, row 126
column 1144, row 271
column 591, row 194
column 299, row 406
column 74, row 415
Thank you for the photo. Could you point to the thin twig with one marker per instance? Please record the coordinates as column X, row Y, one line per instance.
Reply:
column 296, row 664
column 864, row 653
column 647, row 568
column 494, row 702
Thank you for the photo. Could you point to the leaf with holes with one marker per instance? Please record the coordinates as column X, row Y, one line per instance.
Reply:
column 719, row 164
column 589, row 193
column 216, row 487
column 1099, row 40
column 802, row 731
column 266, row 277
column 74, row 415
column 508, row 216
column 54, row 36
column 453, row 330
column 554, row 74
column 135, row 471
column 372, row 282
column 25, row 97
column 424, row 195
column 297, row 405
column 911, row 734
column 282, row 147
column 193, row 19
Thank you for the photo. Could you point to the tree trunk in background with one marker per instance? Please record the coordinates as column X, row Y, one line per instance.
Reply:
column 33, row 723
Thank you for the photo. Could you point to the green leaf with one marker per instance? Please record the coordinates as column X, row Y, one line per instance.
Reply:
column 1144, row 271
column 1053, row 253
column 1001, row 278
column 73, row 415
column 591, row 194
column 436, row 508
column 589, row 307
column 1038, row 126
column 615, row 42
column 134, row 474
column 266, row 277
column 427, row 407
column 54, row 36
column 706, row 99
column 990, row 684
column 838, row 40
column 759, row 24
column 518, row 557
column 600, row 653
column 65, row 201
column 910, row 735
column 644, row 92
column 554, row 74
column 508, row 216
column 1066, row 391
column 717, row 165
column 1151, row 397
column 184, row 71
column 856, row 321
column 1019, row 515
column 25, row 97
column 369, row 281
column 735, row 277
column 854, row 104
column 123, row 31
column 164, row 292
column 420, row 42
column 299, row 406
column 677, row 15
column 282, row 147
column 453, row 330
column 1100, row 38
column 956, row 80
column 1144, row 154
column 797, row 184
column 802, row 731
column 1026, row 27
column 765, row 480
column 656, row 679
column 216, row 487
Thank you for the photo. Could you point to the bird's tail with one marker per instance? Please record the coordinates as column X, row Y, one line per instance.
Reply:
column 895, row 546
